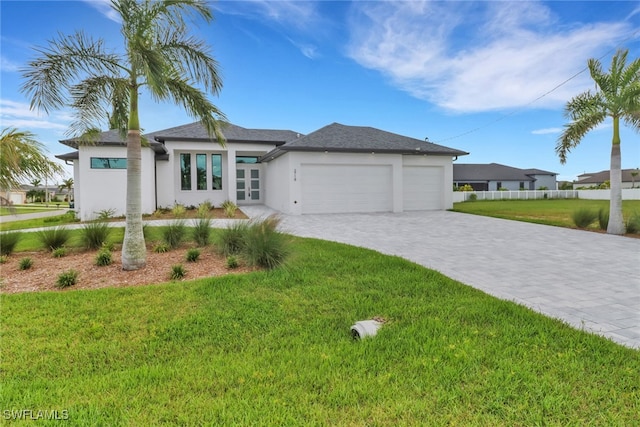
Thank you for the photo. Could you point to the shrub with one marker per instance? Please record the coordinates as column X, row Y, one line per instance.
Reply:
column 466, row 187
column 192, row 255
column 603, row 218
column 95, row 234
column 8, row 242
column 174, row 233
column 204, row 209
column 633, row 223
column 229, row 208
column 230, row 241
column 202, row 231
column 59, row 253
column 67, row 278
column 54, row 238
column 25, row 263
column 104, row 257
column 179, row 211
column 264, row 246
column 472, row 197
column 106, row 214
column 177, row 272
column 584, row 217
column 232, row 261
column 161, row 248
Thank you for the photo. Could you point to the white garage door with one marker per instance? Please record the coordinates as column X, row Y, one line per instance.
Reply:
column 422, row 188
column 346, row 188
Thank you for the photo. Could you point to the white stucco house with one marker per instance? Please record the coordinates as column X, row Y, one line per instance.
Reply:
column 335, row 169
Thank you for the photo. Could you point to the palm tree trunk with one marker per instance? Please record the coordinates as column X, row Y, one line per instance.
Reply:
column 616, row 221
column 134, row 251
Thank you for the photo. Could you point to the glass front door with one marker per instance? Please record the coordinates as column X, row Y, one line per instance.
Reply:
column 248, row 185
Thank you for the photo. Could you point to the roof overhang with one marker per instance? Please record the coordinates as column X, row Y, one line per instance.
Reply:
column 277, row 152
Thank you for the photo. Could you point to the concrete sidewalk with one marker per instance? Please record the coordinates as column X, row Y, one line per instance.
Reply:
column 589, row 280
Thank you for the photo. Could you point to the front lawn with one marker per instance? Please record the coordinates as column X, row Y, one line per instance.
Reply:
column 550, row 211
column 274, row 348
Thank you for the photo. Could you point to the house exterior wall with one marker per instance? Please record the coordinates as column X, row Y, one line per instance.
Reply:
column 508, row 185
column 278, row 179
column 105, row 189
column 168, row 172
column 548, row 181
column 284, row 175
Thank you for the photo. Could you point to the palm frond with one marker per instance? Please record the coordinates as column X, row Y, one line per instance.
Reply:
column 92, row 98
column 575, row 131
column 52, row 73
column 192, row 58
column 197, row 106
column 584, row 104
column 22, row 158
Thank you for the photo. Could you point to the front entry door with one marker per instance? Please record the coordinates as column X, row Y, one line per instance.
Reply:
column 248, row 185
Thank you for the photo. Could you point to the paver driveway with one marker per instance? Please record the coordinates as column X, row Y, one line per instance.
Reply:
column 590, row 280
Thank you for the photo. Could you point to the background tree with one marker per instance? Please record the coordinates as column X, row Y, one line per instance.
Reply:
column 22, row 158
column 159, row 56
column 617, row 96
column 67, row 184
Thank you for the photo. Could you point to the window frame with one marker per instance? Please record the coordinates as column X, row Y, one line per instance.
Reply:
column 108, row 161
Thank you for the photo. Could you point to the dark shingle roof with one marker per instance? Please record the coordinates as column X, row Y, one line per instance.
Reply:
column 232, row 133
column 113, row 138
column 602, row 176
column 493, row 172
column 74, row 155
column 359, row 139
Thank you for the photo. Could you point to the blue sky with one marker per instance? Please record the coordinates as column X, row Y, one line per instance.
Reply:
column 490, row 78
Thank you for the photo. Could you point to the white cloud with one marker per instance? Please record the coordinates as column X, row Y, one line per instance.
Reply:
column 7, row 65
column 286, row 12
column 471, row 57
column 19, row 115
column 104, row 7
column 308, row 50
column 546, row 131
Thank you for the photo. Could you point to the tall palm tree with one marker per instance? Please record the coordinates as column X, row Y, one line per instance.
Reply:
column 23, row 158
column 67, row 184
column 102, row 86
column 617, row 95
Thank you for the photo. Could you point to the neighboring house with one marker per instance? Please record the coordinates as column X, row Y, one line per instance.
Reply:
column 335, row 169
column 494, row 176
column 630, row 179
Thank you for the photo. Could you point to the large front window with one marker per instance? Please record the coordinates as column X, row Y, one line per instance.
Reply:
column 185, row 171
column 216, row 171
column 208, row 171
column 201, row 167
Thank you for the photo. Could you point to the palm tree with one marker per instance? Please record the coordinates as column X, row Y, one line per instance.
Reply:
column 102, row 86
column 67, row 184
column 617, row 95
column 23, row 158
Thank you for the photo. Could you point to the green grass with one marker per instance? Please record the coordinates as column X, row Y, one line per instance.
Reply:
column 274, row 348
column 32, row 208
column 556, row 212
column 51, row 221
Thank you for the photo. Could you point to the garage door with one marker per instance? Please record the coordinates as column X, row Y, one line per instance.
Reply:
column 346, row 188
column 422, row 188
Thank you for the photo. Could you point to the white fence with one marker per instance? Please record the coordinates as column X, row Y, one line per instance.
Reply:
column 463, row 196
